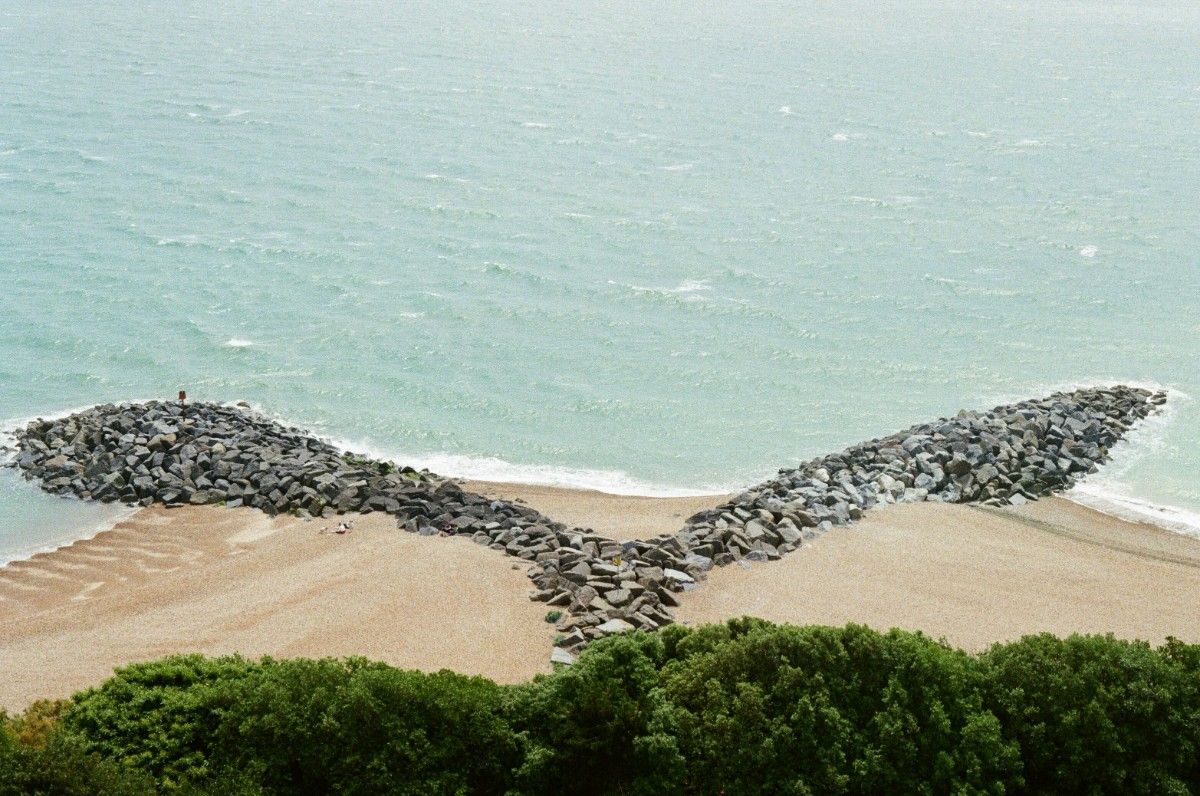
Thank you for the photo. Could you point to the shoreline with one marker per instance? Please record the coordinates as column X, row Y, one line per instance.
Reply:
column 176, row 454
column 219, row 580
column 559, row 492
column 557, row 501
column 1173, row 519
column 560, row 499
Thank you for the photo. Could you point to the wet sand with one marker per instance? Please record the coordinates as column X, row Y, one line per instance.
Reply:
column 221, row 581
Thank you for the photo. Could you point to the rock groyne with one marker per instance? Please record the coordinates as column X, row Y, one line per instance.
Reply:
column 202, row 454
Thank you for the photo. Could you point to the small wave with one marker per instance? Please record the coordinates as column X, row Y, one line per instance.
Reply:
column 686, row 286
column 182, row 240
column 443, row 178
column 687, row 290
column 488, row 468
column 840, row 137
column 1108, row 500
column 1029, row 142
column 1089, row 251
column 691, row 286
column 678, row 167
column 1146, row 437
column 237, row 342
column 786, row 110
column 1106, row 491
column 535, row 125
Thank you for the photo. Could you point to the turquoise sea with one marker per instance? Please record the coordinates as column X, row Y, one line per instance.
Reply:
column 651, row 247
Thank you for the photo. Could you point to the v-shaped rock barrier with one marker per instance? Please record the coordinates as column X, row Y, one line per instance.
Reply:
column 202, row 453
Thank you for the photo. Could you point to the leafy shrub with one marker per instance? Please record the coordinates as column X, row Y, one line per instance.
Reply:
column 37, row 724
column 158, row 717
column 1094, row 714
column 741, row 708
column 824, row 710
column 588, row 727
column 354, row 727
column 62, row 767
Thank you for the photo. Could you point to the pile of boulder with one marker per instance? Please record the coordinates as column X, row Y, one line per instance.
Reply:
column 177, row 454
column 1006, row 456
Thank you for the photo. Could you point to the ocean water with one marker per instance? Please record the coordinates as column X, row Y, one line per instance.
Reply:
column 649, row 247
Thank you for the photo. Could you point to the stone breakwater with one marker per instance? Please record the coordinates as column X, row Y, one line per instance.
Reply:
column 198, row 454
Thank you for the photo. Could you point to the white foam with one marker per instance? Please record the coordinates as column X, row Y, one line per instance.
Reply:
column 237, row 342
column 490, row 468
column 487, row 468
column 840, row 137
column 183, row 240
column 691, row 286
column 1089, row 251
column 678, row 167
column 1104, row 499
column 786, row 110
column 1107, row 490
column 683, row 288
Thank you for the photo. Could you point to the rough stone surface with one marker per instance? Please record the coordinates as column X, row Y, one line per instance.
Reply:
column 560, row 655
column 200, row 453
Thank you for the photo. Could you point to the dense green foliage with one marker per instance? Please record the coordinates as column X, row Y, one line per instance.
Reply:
column 1094, row 715
column 58, row 764
column 741, row 708
column 821, row 710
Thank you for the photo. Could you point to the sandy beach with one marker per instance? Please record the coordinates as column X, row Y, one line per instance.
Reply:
column 221, row 581
column 974, row 576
